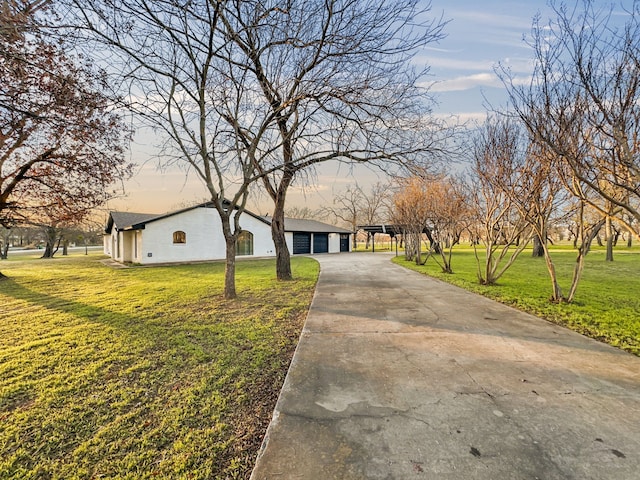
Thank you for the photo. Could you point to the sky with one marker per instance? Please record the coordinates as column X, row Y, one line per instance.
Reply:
column 479, row 36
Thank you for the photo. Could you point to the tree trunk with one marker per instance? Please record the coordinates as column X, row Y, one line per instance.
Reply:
column 4, row 254
column 556, row 295
column 230, row 267
column 230, row 239
column 538, row 247
column 418, row 246
column 610, row 239
column 65, row 248
column 283, row 257
column 630, row 241
column 487, row 279
column 48, row 251
column 50, row 243
column 577, row 274
column 446, row 261
column 587, row 239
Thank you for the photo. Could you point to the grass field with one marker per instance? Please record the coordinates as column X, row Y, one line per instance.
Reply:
column 607, row 303
column 141, row 373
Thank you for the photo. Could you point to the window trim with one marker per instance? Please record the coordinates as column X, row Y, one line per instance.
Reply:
column 179, row 237
column 245, row 233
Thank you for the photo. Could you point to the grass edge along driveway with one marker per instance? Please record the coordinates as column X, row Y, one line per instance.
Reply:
column 607, row 304
column 142, row 373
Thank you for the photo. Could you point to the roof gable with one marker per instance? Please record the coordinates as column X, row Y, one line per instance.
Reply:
column 122, row 220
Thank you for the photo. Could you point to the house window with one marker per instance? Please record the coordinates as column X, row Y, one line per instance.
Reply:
column 244, row 245
column 179, row 237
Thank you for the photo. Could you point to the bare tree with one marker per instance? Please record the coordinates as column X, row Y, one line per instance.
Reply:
column 374, row 206
column 175, row 61
column 411, row 210
column 332, row 81
column 304, row 213
column 498, row 153
column 346, row 208
column 449, row 215
column 61, row 142
column 583, row 102
column 354, row 206
column 537, row 192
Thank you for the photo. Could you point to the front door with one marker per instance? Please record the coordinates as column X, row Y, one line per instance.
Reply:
column 344, row 242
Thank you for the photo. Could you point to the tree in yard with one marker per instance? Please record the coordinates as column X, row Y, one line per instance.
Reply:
column 448, row 214
column 330, row 80
column 583, row 103
column 253, row 90
column 499, row 150
column 411, row 211
column 56, row 225
column 346, row 208
column 304, row 213
column 374, row 207
column 5, row 238
column 539, row 185
column 537, row 192
column 356, row 207
column 61, row 143
column 176, row 61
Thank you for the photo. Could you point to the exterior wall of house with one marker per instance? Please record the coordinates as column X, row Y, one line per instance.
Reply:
column 288, row 237
column 113, row 245
column 334, row 243
column 193, row 235
column 106, row 244
column 203, row 237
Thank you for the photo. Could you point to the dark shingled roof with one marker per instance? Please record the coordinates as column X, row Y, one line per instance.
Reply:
column 304, row 225
column 126, row 219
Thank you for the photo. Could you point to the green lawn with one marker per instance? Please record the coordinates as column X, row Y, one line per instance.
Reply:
column 141, row 373
column 607, row 304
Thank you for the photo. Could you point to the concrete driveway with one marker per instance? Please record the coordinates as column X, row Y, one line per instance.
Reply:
column 399, row 376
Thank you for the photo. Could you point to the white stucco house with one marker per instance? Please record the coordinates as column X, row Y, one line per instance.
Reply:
column 195, row 234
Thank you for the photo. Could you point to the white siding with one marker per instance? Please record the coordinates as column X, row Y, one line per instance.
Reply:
column 106, row 244
column 288, row 236
column 204, row 238
column 334, row 243
column 262, row 242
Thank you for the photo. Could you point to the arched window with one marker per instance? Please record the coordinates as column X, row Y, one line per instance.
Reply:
column 244, row 245
column 179, row 237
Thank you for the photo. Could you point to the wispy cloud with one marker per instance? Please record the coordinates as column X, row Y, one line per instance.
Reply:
column 465, row 117
column 467, row 82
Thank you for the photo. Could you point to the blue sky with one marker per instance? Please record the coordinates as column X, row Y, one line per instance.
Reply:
column 480, row 35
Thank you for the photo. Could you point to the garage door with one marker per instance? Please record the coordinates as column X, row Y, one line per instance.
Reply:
column 301, row 243
column 321, row 243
